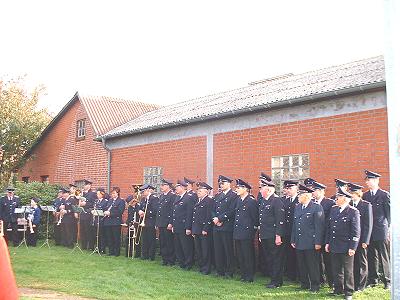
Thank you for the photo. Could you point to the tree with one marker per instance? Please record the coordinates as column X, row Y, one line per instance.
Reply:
column 21, row 122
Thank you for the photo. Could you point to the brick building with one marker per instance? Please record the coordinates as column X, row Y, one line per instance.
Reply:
column 329, row 123
column 67, row 151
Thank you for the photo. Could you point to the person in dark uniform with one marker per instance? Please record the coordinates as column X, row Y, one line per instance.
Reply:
column 201, row 227
column 34, row 220
column 378, row 250
column 112, row 222
column 245, row 226
column 341, row 241
column 9, row 203
column 132, row 223
column 56, row 214
column 360, row 258
column 290, row 203
column 325, row 260
column 68, row 221
column 148, row 208
column 164, row 223
column 182, row 217
column 86, row 217
column 190, row 188
column 97, row 227
column 307, row 238
column 340, row 184
column 309, row 182
column 223, row 214
column 271, row 231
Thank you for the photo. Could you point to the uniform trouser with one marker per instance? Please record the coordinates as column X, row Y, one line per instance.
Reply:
column 113, row 239
column 290, row 259
column 342, row 271
column 68, row 231
column 276, row 254
column 264, row 260
column 31, row 238
column 184, row 249
column 245, row 253
column 84, row 231
column 223, row 250
column 360, row 268
column 148, row 242
column 101, row 242
column 203, row 248
column 325, row 267
column 57, row 234
column 11, row 232
column 308, row 266
column 378, row 252
column 167, row 246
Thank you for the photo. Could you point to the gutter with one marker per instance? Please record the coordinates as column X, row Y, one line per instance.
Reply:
column 103, row 140
column 341, row 92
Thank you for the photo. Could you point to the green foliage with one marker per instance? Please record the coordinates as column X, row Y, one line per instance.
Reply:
column 121, row 278
column 21, row 123
column 46, row 192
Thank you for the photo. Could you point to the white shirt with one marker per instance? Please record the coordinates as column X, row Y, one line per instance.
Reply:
column 343, row 207
column 226, row 192
column 318, row 201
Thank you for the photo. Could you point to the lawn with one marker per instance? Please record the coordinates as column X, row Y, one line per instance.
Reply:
column 121, row 278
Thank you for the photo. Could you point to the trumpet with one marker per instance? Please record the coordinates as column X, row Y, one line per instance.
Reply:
column 61, row 214
column 30, row 219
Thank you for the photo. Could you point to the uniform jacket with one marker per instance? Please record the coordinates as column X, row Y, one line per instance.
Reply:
column 308, row 226
column 202, row 216
column 133, row 214
column 116, row 208
column 246, row 218
column 91, row 197
column 8, row 207
column 381, row 214
column 36, row 212
column 224, row 209
column 343, row 229
column 152, row 208
column 68, row 204
column 327, row 204
column 366, row 220
column 165, row 209
column 100, row 204
column 182, row 215
column 289, row 213
column 271, row 217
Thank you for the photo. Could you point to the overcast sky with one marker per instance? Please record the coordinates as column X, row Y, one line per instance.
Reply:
column 169, row 51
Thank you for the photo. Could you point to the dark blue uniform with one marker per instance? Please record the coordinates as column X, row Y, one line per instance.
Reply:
column 86, row 221
column 163, row 219
column 378, row 249
column 132, row 221
column 224, row 209
column 360, row 258
column 181, row 221
column 69, row 223
column 343, row 233
column 57, row 229
column 97, row 226
column 202, row 222
column 10, row 218
column 112, row 225
column 289, row 255
column 272, row 223
column 35, row 216
column 148, row 238
column 246, row 223
column 308, row 231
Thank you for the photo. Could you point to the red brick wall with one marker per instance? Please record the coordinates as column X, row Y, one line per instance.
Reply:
column 186, row 157
column 340, row 146
column 64, row 159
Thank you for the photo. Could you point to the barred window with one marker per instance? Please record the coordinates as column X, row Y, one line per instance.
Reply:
column 81, row 129
column 289, row 167
column 25, row 179
column 153, row 175
column 44, row 178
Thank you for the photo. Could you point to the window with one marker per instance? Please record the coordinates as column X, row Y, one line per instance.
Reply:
column 289, row 167
column 153, row 175
column 81, row 129
column 44, row 178
column 25, row 179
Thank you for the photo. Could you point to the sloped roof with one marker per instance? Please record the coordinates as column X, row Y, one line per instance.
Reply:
column 362, row 74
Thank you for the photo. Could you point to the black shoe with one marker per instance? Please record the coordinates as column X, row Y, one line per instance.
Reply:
column 348, row 297
column 272, row 286
column 302, row 288
column 314, row 290
column 335, row 293
column 387, row 286
column 164, row 263
column 372, row 283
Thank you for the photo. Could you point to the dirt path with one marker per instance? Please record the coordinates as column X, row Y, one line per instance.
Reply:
column 46, row 294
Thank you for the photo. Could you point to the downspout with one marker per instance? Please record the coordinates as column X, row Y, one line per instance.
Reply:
column 103, row 140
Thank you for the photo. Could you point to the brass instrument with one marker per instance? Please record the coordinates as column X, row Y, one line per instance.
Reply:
column 30, row 219
column 141, row 224
column 61, row 214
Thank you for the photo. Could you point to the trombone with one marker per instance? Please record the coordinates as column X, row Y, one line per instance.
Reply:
column 141, row 224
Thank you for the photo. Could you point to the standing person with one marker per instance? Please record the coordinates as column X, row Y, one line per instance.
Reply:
column 246, row 223
column 147, row 211
column 33, row 222
column 112, row 222
column 290, row 203
column 325, row 260
column 360, row 258
column 132, row 223
column 190, row 188
column 182, row 226
column 9, row 203
column 164, row 223
column 56, row 214
column 378, row 250
column 68, row 221
column 341, row 241
column 272, row 229
column 307, row 238
column 86, row 217
column 201, row 227
column 223, row 214
column 97, row 227
column 340, row 184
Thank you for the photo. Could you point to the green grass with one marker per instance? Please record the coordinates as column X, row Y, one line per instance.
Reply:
column 120, row 278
